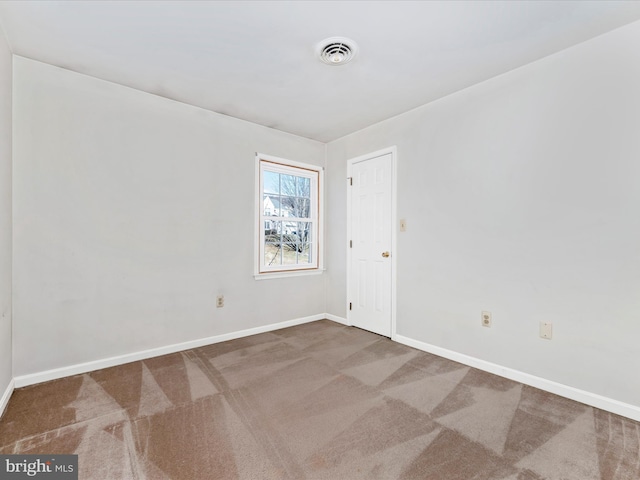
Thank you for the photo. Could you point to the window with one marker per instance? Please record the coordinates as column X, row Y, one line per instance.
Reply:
column 288, row 215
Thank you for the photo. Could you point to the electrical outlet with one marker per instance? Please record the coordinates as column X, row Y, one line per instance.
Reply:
column 220, row 301
column 486, row 319
column 546, row 330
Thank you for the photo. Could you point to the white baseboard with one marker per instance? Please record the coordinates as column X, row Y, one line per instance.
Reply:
column 598, row 401
column 337, row 319
column 33, row 378
column 588, row 398
column 6, row 396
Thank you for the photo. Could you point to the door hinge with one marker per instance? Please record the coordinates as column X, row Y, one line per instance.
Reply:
column 350, row 180
column 350, row 243
column 350, row 306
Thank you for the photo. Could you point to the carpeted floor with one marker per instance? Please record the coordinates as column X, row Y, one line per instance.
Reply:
column 316, row 401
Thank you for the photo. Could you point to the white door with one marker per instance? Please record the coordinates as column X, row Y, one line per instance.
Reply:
column 370, row 222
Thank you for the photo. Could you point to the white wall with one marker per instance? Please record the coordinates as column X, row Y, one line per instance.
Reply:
column 522, row 197
column 131, row 212
column 5, row 218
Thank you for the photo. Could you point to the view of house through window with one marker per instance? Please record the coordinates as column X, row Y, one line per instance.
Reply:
column 289, row 216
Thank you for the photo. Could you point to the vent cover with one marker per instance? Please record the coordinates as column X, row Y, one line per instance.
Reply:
column 337, row 50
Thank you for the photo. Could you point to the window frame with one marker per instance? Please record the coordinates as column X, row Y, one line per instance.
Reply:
column 288, row 167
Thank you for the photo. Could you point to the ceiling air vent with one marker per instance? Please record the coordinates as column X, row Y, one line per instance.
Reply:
column 337, row 50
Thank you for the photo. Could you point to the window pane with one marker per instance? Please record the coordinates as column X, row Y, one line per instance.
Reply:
column 288, row 228
column 304, row 255
column 272, row 232
column 271, row 182
column 289, row 244
column 272, row 254
column 289, row 252
column 272, row 244
column 296, row 207
column 287, row 185
column 287, row 205
column 303, row 230
column 304, row 189
column 271, row 205
column 303, row 207
column 270, row 228
column 277, row 201
column 304, row 242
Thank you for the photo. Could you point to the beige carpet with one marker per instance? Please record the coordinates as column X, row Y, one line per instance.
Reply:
column 316, row 401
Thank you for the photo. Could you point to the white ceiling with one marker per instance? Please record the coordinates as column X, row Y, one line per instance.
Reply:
column 255, row 60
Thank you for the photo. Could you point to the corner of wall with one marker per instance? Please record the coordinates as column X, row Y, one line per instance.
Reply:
column 6, row 221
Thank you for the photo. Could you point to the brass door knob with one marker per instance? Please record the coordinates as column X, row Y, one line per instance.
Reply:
column 386, row 254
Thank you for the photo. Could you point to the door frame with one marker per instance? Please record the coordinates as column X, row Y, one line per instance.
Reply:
column 394, row 251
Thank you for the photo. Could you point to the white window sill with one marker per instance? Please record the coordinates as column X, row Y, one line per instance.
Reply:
column 301, row 273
